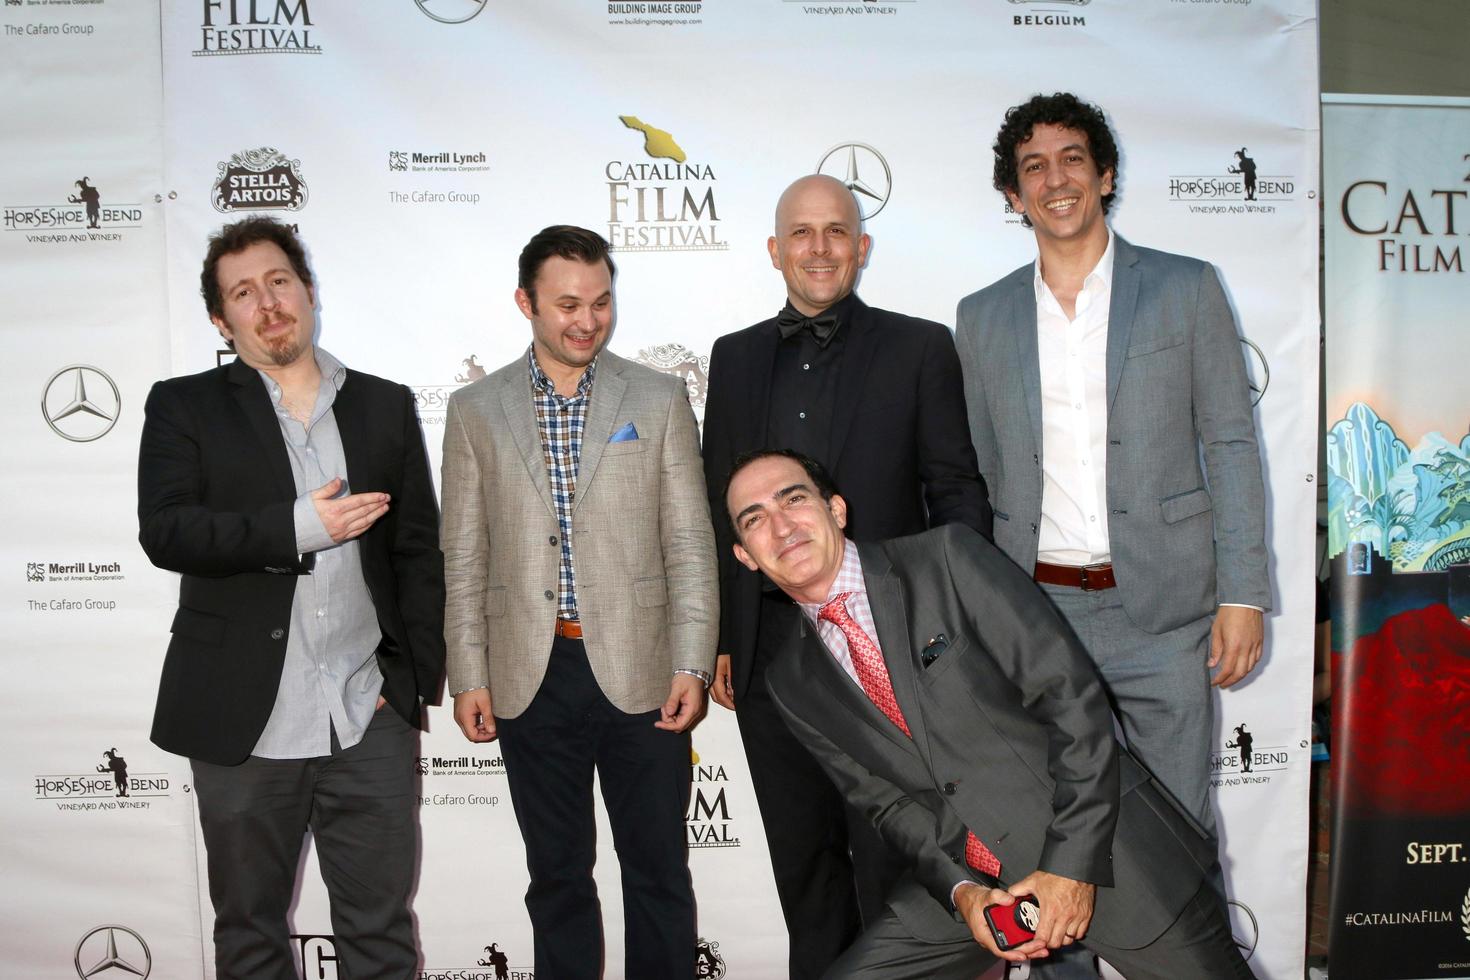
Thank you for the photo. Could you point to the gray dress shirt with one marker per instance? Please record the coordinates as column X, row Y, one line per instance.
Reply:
column 330, row 679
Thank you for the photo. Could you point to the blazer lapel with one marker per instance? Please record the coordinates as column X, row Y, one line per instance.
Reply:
column 602, row 414
column 759, row 367
column 885, row 598
column 1120, row 311
column 520, row 417
column 348, row 414
column 816, row 662
column 852, row 379
column 255, row 402
column 1028, row 353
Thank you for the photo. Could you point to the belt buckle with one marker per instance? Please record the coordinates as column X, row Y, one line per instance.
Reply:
column 1086, row 584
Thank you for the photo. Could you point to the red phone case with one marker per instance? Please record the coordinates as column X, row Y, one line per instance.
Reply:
column 1012, row 925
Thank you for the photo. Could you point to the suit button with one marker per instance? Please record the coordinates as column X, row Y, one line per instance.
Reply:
column 955, row 858
column 552, row 539
column 549, row 594
column 1033, row 528
column 949, row 789
column 276, row 634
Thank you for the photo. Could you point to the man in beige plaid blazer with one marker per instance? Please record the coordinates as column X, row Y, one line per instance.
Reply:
column 582, row 608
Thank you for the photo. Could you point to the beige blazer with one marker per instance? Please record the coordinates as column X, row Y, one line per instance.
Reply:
column 642, row 541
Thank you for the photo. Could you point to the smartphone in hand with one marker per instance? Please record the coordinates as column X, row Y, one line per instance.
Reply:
column 1012, row 925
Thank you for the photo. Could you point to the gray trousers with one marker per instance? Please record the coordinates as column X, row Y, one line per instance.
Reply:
column 359, row 806
column 1159, row 686
column 1197, row 946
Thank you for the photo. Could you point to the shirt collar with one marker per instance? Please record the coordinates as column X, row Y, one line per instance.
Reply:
column 849, row 578
column 333, row 371
column 1101, row 273
column 541, row 382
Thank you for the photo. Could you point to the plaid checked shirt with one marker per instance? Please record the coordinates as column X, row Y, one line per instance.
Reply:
column 849, row 579
column 561, row 421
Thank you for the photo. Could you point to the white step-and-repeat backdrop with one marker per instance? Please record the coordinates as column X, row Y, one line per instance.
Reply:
column 417, row 144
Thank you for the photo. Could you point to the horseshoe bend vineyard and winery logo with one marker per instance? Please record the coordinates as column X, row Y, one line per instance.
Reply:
column 84, row 216
column 1235, row 187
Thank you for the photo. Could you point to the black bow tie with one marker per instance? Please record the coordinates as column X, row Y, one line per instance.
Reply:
column 822, row 327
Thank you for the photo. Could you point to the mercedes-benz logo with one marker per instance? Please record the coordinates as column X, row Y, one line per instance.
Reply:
column 112, row 952
column 451, row 11
column 1244, row 929
column 859, row 167
column 80, row 403
column 1257, row 371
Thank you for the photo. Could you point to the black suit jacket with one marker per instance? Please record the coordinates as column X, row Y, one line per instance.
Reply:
column 900, row 446
column 215, row 499
column 1012, row 738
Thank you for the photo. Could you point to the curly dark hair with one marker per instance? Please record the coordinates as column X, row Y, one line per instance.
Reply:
column 237, row 237
column 1058, row 109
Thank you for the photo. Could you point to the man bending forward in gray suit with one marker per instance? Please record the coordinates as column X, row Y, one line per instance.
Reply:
column 954, row 708
column 582, row 608
column 1093, row 378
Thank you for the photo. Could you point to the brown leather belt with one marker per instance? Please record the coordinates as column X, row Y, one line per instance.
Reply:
column 1088, row 578
column 569, row 628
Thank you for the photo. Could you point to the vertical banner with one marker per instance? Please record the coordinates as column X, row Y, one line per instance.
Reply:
column 1397, row 209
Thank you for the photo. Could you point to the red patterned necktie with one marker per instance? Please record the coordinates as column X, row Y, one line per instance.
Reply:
column 867, row 661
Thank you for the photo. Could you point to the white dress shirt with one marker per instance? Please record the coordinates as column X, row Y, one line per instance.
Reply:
column 1073, row 356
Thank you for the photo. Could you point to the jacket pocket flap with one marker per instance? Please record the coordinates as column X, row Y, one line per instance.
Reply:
column 1158, row 343
column 1182, row 505
column 198, row 625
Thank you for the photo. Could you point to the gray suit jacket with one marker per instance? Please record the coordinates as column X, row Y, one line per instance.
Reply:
column 1176, row 382
column 1012, row 738
column 647, row 591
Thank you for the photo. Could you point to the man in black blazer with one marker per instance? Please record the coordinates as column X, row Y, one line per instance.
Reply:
column 294, row 497
column 955, row 709
column 877, row 397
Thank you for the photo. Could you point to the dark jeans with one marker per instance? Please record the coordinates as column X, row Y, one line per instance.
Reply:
column 550, row 752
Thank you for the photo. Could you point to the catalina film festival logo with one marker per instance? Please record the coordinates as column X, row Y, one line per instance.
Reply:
column 709, row 823
column 108, row 785
column 662, row 202
column 1236, row 187
column 263, row 179
column 83, row 216
column 231, row 27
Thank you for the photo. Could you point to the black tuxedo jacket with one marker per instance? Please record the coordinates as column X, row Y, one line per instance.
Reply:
column 215, row 499
column 900, row 450
column 1012, row 738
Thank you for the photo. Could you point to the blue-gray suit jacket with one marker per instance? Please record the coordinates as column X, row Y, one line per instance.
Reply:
column 1183, row 539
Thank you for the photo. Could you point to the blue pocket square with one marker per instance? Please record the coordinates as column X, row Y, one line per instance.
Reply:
column 627, row 433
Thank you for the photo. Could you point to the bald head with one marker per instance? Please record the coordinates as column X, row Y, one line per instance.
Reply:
column 819, row 244
column 818, row 188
